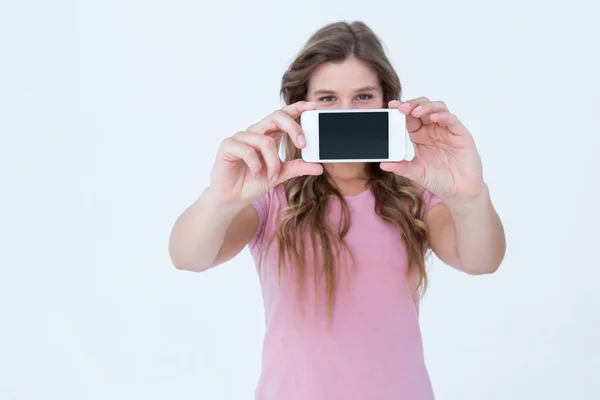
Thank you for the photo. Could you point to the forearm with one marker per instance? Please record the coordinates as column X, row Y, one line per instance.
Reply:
column 480, row 240
column 199, row 232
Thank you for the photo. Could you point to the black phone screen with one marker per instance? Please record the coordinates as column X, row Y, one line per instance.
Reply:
column 353, row 135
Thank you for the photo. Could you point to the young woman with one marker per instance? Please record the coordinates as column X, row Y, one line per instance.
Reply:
column 340, row 248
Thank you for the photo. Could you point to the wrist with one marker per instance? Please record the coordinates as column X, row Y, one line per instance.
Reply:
column 467, row 205
column 222, row 206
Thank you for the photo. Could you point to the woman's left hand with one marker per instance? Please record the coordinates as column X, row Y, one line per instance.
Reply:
column 446, row 160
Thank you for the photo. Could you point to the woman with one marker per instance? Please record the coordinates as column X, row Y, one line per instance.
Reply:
column 341, row 248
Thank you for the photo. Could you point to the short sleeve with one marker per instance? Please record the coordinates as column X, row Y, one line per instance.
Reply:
column 262, row 205
column 429, row 200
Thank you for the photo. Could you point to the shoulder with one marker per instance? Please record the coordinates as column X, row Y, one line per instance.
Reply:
column 428, row 199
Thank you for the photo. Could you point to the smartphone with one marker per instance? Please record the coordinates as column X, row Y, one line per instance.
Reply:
column 355, row 135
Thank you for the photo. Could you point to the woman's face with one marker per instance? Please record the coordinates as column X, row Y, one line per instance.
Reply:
column 349, row 84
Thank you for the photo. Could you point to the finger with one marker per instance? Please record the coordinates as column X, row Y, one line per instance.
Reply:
column 288, row 113
column 294, row 110
column 424, row 110
column 299, row 167
column 394, row 104
column 407, row 169
column 407, row 107
column 450, row 121
column 267, row 148
column 277, row 122
column 413, row 123
column 233, row 150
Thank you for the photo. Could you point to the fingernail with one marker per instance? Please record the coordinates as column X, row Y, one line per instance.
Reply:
column 301, row 140
column 419, row 109
column 274, row 178
column 404, row 105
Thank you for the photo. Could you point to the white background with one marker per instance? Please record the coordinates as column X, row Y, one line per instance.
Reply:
column 110, row 115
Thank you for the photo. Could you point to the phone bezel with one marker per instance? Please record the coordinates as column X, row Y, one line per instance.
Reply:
column 397, row 143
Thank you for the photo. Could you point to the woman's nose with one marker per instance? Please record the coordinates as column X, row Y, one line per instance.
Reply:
column 345, row 104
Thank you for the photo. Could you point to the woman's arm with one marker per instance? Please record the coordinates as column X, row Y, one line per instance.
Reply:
column 222, row 221
column 465, row 231
column 209, row 233
column 467, row 235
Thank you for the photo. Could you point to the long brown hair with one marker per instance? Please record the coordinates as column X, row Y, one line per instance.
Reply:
column 305, row 217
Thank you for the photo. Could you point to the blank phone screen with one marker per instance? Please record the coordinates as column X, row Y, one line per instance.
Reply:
column 353, row 135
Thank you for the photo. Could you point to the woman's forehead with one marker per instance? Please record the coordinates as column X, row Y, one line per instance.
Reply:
column 348, row 76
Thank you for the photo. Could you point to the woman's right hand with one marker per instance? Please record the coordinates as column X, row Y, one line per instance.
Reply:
column 248, row 163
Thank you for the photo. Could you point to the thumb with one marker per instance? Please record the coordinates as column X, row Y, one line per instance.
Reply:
column 298, row 167
column 407, row 169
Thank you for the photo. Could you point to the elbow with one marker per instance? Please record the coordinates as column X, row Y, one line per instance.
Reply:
column 186, row 264
column 182, row 265
column 179, row 263
column 484, row 263
column 181, row 257
column 176, row 259
column 183, row 262
column 483, row 267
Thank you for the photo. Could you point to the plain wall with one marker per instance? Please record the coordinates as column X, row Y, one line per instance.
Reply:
column 110, row 116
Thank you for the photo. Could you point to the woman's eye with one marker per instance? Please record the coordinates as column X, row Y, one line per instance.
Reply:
column 327, row 98
column 365, row 97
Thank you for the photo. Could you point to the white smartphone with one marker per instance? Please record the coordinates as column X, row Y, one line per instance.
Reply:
column 355, row 135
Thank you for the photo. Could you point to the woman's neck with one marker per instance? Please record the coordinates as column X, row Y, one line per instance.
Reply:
column 350, row 179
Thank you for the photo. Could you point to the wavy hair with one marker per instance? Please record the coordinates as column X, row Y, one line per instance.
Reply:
column 303, row 223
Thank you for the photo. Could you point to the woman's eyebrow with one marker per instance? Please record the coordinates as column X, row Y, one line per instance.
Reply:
column 328, row 91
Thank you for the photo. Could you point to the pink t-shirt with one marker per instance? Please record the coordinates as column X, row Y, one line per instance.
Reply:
column 373, row 348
